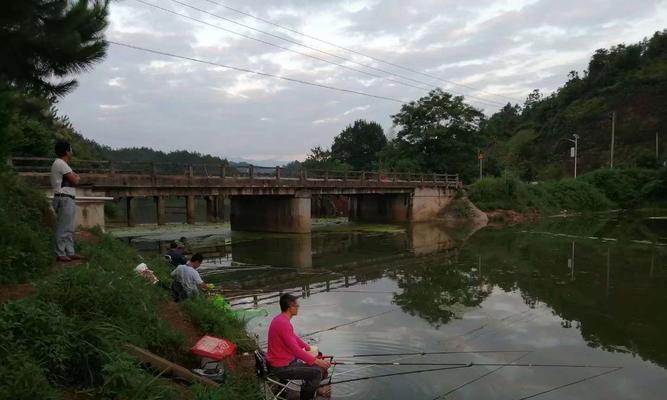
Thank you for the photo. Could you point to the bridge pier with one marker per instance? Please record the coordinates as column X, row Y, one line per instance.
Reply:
column 131, row 211
column 269, row 213
column 388, row 208
column 161, row 214
column 190, row 209
column 422, row 205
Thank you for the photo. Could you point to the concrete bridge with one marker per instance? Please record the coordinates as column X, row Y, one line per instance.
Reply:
column 262, row 198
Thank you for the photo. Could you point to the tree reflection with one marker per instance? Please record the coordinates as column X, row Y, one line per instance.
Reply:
column 437, row 293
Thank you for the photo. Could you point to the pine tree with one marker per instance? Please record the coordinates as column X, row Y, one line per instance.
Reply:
column 43, row 42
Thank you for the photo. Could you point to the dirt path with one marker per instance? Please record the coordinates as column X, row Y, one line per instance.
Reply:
column 178, row 319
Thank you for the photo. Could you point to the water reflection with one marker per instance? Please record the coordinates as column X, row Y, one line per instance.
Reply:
column 579, row 292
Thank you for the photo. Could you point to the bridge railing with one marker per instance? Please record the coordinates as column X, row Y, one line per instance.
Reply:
column 40, row 165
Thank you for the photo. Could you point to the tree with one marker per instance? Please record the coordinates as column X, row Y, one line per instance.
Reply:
column 320, row 158
column 358, row 145
column 440, row 133
column 46, row 39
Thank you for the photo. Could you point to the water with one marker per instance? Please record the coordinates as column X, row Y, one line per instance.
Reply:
column 564, row 291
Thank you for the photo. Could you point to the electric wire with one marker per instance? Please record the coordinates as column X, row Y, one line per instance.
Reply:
column 491, row 102
column 357, row 52
column 282, row 47
column 285, row 78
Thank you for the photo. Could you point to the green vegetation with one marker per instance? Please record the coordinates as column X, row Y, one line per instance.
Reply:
column 597, row 191
column 26, row 230
column 70, row 333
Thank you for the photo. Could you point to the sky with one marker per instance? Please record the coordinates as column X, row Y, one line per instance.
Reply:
column 491, row 52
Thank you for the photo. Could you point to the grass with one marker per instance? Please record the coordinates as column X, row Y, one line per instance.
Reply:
column 26, row 228
column 70, row 333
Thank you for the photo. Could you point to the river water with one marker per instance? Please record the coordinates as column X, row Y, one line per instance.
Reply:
column 586, row 292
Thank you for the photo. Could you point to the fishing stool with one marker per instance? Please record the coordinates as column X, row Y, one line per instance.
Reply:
column 274, row 389
column 213, row 351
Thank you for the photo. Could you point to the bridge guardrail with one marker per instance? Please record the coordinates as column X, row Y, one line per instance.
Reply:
column 42, row 165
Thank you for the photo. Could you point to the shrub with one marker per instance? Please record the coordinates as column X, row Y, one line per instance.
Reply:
column 25, row 228
column 572, row 194
column 506, row 192
column 125, row 380
column 622, row 186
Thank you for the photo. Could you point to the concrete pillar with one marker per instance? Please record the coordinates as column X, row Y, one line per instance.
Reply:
column 131, row 211
column 429, row 204
column 289, row 214
column 161, row 214
column 220, row 208
column 190, row 209
column 387, row 208
column 210, row 209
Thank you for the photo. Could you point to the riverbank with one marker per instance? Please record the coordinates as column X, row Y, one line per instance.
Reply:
column 67, row 334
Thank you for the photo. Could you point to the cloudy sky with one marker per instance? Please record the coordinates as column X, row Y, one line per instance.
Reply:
column 490, row 51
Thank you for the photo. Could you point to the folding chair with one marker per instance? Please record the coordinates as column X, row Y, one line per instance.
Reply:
column 273, row 388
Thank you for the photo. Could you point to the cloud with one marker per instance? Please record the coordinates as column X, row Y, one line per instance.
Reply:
column 497, row 51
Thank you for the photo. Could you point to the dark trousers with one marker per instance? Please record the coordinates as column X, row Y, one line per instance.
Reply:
column 310, row 374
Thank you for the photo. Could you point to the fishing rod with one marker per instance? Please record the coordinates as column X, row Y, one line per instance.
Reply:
column 571, row 383
column 400, row 373
column 427, row 353
column 348, row 323
column 474, row 364
column 461, row 386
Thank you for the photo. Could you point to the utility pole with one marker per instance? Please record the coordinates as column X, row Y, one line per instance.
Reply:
column 613, row 127
column 657, row 156
column 574, row 151
column 480, row 157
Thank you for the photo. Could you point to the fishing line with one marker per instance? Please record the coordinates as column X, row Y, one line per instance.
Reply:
column 401, row 373
column 424, row 353
column 461, row 386
column 570, row 383
column 474, row 364
column 349, row 323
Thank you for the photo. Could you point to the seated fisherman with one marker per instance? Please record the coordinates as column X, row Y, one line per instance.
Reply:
column 175, row 254
column 187, row 281
column 287, row 354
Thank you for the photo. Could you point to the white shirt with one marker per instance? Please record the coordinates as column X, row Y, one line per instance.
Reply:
column 58, row 170
column 189, row 278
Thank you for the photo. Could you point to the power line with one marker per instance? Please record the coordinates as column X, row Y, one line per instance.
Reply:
column 285, row 78
column 278, row 46
column 480, row 100
column 356, row 52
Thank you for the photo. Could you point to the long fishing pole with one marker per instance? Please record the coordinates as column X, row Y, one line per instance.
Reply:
column 473, row 364
column 570, row 383
column 461, row 386
column 427, row 353
column 400, row 373
column 348, row 323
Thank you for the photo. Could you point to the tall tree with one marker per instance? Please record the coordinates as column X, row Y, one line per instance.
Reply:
column 439, row 132
column 358, row 145
column 47, row 39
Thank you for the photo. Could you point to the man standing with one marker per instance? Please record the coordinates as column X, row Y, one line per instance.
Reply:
column 63, row 181
column 187, row 280
column 288, row 355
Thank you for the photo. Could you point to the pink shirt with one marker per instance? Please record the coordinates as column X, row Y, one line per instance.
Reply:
column 284, row 345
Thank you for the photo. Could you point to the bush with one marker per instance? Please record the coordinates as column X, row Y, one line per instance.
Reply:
column 622, row 186
column 26, row 228
column 506, row 192
column 509, row 193
column 573, row 194
column 125, row 380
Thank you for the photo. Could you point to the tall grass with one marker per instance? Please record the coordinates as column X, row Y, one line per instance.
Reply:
column 26, row 229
